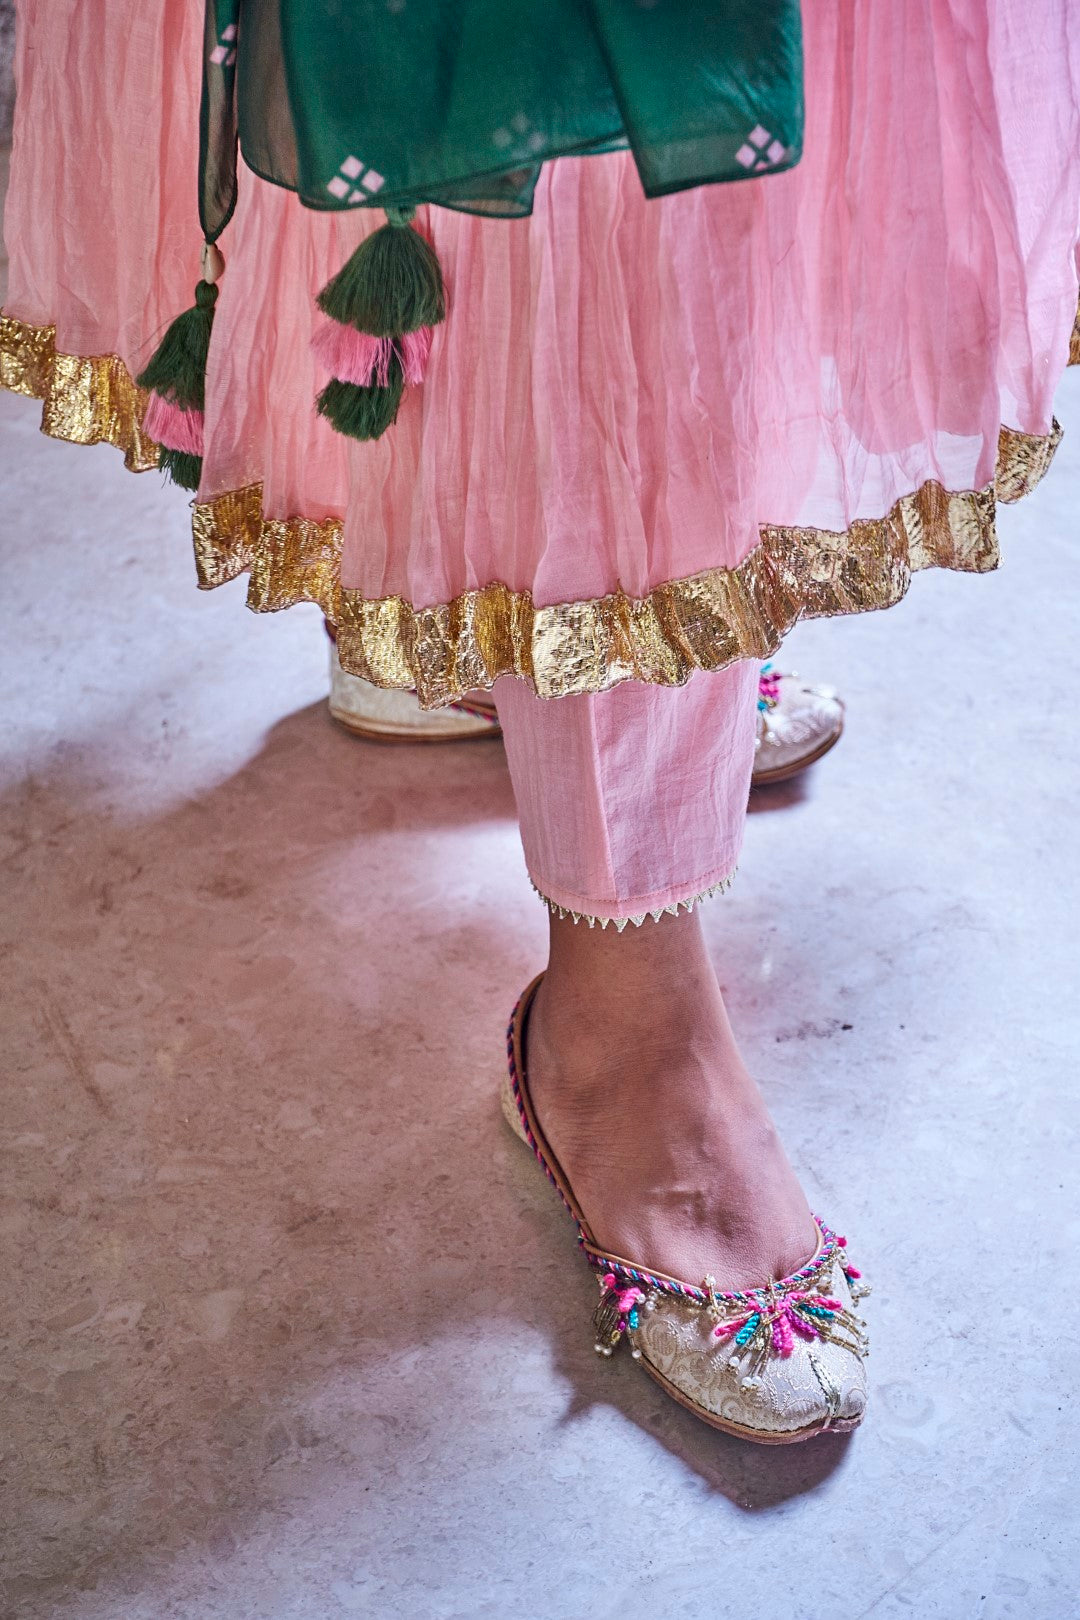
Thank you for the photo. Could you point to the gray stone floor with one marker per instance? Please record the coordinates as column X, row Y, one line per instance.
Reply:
column 294, row 1328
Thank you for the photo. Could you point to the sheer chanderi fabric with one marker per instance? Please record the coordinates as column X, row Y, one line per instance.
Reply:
column 624, row 393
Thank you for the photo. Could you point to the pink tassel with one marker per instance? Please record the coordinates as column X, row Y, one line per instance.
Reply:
column 414, row 349
column 352, row 356
column 357, row 357
column 175, row 428
column 802, row 1327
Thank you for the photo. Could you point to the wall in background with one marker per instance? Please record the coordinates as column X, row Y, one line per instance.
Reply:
column 7, row 81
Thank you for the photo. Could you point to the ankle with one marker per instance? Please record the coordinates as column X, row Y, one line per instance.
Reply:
column 641, row 980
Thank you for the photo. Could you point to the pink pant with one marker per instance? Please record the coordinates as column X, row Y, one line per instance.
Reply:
column 633, row 801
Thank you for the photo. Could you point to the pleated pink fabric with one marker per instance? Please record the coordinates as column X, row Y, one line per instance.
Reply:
column 101, row 223
column 623, row 391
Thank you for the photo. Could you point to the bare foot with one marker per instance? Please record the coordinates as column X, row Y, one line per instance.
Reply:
column 640, row 1090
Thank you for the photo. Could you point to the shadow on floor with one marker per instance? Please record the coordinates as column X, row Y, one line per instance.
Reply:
column 259, row 1169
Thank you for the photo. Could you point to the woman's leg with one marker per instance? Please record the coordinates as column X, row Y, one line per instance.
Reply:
column 631, row 803
column 641, row 1091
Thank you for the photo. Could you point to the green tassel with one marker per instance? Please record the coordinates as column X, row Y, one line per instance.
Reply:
column 391, row 285
column 177, row 369
column 184, row 469
column 362, row 413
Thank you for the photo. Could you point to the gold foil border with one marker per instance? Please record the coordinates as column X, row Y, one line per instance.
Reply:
column 705, row 621
column 85, row 400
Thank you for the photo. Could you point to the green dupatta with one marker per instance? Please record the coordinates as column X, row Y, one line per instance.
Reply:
column 394, row 103
column 355, row 103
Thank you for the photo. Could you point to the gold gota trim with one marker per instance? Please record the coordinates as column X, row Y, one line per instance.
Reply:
column 89, row 400
column 703, row 622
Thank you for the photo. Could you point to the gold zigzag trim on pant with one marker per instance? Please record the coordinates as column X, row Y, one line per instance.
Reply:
column 703, row 622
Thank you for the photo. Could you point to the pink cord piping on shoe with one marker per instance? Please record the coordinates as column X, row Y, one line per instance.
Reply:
column 831, row 1245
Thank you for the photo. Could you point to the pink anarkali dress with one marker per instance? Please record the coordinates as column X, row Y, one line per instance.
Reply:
column 651, row 435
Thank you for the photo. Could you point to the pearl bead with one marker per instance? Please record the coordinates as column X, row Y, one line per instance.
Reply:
column 213, row 264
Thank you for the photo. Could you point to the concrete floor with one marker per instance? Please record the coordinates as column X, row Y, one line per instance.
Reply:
column 295, row 1329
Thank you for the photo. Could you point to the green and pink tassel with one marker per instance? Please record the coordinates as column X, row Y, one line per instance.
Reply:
column 175, row 376
column 380, row 308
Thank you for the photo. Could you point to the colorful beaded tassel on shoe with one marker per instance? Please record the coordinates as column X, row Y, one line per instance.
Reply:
column 176, row 378
column 381, row 309
column 774, row 1364
column 768, row 689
